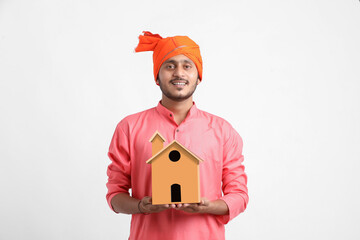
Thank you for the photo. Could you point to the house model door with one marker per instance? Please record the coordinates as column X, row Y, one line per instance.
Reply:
column 175, row 193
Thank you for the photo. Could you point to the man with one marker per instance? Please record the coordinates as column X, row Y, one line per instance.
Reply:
column 178, row 71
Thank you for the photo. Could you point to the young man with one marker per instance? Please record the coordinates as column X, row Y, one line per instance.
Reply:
column 178, row 71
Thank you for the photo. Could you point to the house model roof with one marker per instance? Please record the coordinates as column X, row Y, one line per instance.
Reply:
column 168, row 146
column 155, row 135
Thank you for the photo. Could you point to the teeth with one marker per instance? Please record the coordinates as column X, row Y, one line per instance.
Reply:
column 179, row 83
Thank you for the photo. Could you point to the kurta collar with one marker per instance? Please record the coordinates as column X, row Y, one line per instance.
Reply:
column 168, row 114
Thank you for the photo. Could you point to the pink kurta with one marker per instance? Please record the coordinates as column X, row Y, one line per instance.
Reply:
column 222, row 174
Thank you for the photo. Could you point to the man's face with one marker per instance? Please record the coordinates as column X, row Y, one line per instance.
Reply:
column 178, row 78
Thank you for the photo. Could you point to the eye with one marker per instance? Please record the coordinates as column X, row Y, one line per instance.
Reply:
column 170, row 66
column 188, row 66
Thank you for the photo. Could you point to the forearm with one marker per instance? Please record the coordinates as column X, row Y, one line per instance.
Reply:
column 123, row 203
column 218, row 207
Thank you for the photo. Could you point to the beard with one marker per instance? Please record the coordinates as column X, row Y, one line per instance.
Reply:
column 178, row 97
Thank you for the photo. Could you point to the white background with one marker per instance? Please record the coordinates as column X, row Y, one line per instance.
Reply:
column 284, row 73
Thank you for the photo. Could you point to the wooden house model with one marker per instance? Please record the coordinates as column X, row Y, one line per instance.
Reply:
column 174, row 173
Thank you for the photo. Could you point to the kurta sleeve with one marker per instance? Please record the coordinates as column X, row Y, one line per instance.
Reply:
column 234, row 178
column 119, row 170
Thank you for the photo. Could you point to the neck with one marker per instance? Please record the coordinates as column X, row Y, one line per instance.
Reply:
column 179, row 108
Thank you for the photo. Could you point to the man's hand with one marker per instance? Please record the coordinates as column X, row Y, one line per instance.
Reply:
column 202, row 207
column 123, row 203
column 217, row 207
column 145, row 206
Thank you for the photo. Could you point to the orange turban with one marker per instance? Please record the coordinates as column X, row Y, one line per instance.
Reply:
column 165, row 48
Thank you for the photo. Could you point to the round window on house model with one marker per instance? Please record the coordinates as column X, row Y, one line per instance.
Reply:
column 174, row 155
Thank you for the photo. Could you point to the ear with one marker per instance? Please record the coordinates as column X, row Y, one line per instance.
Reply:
column 198, row 81
column 157, row 82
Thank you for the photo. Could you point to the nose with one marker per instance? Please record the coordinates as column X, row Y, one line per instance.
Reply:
column 179, row 72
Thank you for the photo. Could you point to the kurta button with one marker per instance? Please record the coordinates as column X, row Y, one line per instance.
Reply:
column 170, row 115
column 177, row 130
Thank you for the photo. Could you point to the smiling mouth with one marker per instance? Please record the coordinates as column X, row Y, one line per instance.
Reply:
column 179, row 82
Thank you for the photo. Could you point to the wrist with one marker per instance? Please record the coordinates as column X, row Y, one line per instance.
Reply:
column 139, row 208
column 209, row 207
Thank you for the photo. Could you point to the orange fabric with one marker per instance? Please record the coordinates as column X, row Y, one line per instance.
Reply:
column 165, row 48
